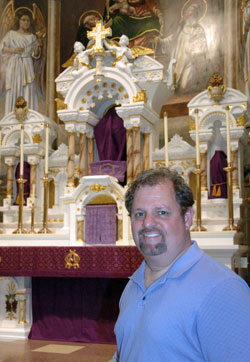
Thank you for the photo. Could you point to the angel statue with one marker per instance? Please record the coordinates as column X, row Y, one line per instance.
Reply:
column 124, row 53
column 22, row 53
column 81, row 60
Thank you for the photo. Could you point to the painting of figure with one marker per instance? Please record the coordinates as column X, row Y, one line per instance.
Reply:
column 22, row 55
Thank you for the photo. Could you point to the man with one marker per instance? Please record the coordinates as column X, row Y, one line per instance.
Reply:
column 180, row 305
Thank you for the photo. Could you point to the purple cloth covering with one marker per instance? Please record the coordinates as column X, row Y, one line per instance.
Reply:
column 110, row 136
column 75, row 309
column 109, row 167
column 218, row 187
column 101, row 224
column 26, row 176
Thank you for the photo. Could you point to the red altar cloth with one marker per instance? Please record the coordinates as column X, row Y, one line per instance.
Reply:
column 95, row 262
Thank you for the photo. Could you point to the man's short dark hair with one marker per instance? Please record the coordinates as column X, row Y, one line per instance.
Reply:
column 154, row 176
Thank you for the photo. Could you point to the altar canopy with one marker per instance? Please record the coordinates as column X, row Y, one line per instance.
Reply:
column 110, row 136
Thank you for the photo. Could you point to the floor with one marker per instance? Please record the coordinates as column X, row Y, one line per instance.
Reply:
column 53, row 351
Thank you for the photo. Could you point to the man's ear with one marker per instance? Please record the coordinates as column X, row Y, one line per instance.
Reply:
column 188, row 217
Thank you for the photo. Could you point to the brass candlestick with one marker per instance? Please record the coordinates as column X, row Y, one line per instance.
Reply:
column 45, row 229
column 198, row 226
column 32, row 222
column 230, row 225
column 20, row 229
column 1, row 181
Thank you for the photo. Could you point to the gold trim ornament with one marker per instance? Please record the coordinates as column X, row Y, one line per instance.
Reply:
column 72, row 260
column 216, row 88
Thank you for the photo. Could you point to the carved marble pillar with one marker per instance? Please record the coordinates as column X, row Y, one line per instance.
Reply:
column 145, row 151
column 230, row 43
column 82, row 154
column 136, row 151
column 53, row 55
column 71, row 158
column 90, row 152
column 33, row 161
column 129, row 154
column 235, row 168
column 80, row 229
column 203, row 171
column 10, row 162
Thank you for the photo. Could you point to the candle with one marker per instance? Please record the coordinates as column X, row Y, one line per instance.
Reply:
column 228, row 136
column 197, row 138
column 166, row 138
column 46, row 149
column 21, row 151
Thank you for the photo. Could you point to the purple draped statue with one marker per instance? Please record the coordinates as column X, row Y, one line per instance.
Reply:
column 110, row 136
column 218, row 187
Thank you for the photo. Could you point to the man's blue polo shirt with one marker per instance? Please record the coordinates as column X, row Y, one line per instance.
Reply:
column 198, row 311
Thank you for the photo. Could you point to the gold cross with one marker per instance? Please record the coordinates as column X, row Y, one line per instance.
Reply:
column 98, row 33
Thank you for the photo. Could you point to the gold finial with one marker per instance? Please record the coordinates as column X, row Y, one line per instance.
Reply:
column 20, row 109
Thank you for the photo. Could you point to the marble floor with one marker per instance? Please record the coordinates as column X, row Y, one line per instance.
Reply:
column 54, row 351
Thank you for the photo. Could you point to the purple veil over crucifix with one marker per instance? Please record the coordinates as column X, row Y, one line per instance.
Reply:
column 110, row 136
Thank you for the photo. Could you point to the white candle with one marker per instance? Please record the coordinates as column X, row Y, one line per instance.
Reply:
column 228, row 136
column 166, row 137
column 21, row 151
column 197, row 137
column 46, row 149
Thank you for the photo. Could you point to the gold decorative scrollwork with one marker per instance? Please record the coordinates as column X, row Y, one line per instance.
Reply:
column 97, row 188
column 72, row 260
column 141, row 96
column 37, row 138
column 241, row 120
column 60, row 104
column 191, row 124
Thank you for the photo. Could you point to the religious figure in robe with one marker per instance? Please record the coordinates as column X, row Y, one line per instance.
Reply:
column 22, row 62
column 189, row 48
column 140, row 20
column 87, row 22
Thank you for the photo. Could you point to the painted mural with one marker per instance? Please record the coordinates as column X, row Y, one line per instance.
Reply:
column 190, row 31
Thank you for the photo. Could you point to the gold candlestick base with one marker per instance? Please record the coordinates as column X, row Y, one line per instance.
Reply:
column 20, row 229
column 45, row 229
column 198, row 226
column 32, row 229
column 230, row 226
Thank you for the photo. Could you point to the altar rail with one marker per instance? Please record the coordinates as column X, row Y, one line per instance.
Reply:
column 87, row 262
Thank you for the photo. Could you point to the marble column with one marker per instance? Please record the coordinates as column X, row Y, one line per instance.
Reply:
column 231, row 43
column 53, row 55
column 82, row 154
column 129, row 136
column 203, row 166
column 71, row 158
column 145, row 152
column 136, row 151
column 90, row 152
column 33, row 161
column 235, row 168
column 10, row 162
column 80, row 229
